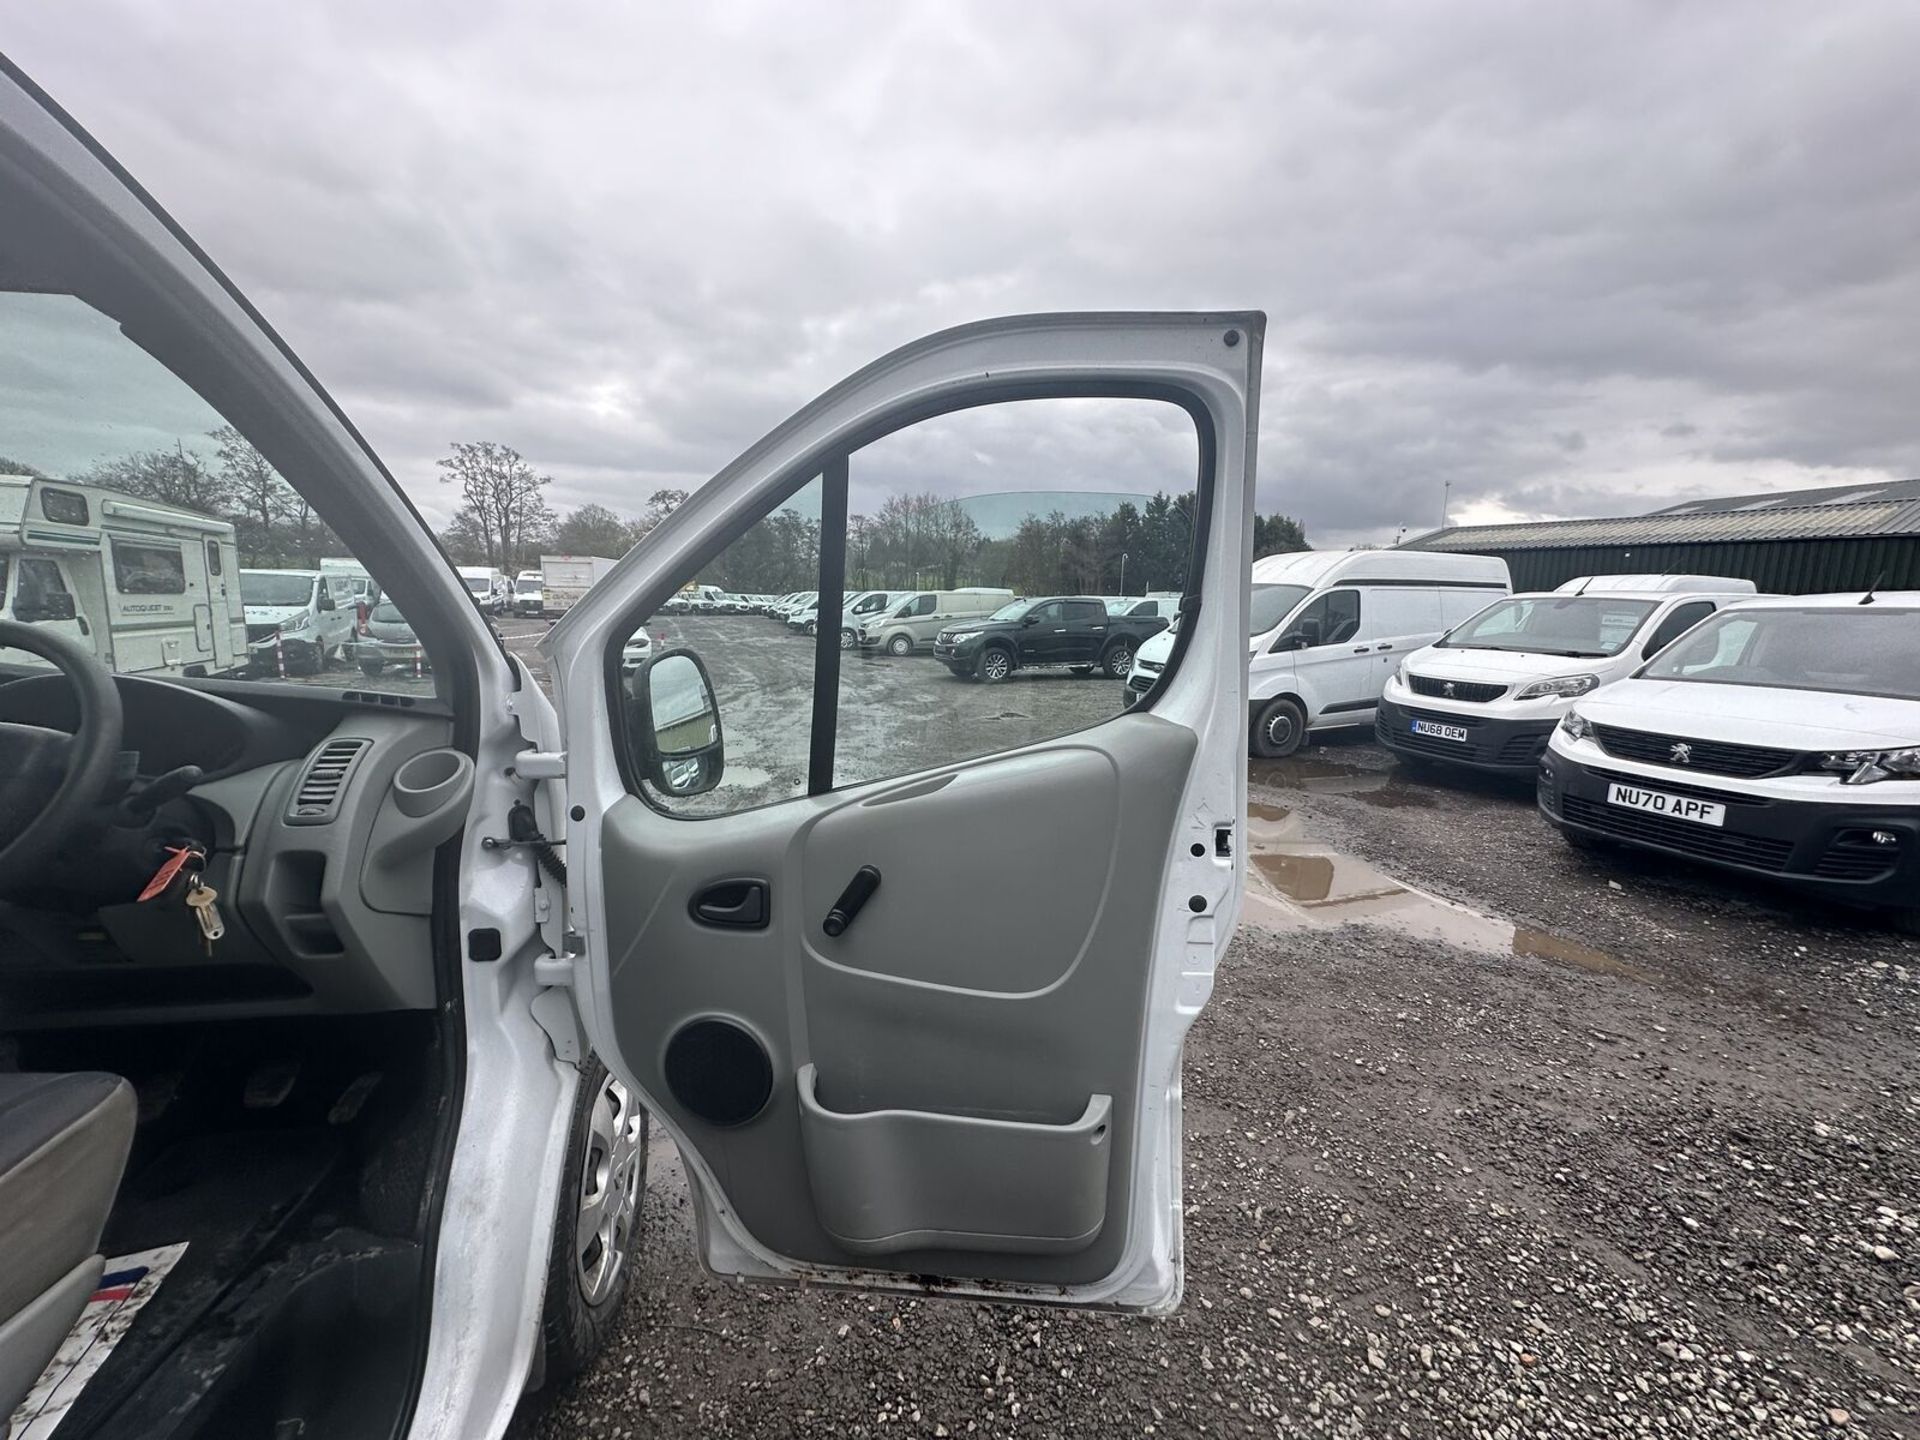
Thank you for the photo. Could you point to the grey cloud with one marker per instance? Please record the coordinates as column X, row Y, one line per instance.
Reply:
column 628, row 243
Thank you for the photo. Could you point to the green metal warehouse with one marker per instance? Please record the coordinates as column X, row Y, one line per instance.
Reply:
column 1797, row 542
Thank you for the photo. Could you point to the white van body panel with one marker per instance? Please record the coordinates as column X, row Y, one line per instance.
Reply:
column 1408, row 599
column 1657, row 585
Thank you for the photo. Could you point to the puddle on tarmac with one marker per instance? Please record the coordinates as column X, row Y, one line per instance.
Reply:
column 1318, row 775
column 1297, row 883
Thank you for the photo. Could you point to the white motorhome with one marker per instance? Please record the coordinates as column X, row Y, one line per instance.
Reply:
column 149, row 588
column 1327, row 629
column 1489, row 692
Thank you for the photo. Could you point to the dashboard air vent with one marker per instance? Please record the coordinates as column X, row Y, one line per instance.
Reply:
column 316, row 799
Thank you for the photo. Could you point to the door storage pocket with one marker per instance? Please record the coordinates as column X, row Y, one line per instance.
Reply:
column 885, row 1181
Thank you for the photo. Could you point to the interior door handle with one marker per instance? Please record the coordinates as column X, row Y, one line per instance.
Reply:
column 733, row 905
column 859, row 890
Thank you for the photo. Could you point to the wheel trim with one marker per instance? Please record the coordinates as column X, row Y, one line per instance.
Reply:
column 1121, row 661
column 609, row 1198
column 1279, row 728
column 995, row 665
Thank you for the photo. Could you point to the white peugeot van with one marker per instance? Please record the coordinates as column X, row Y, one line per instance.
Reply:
column 1489, row 692
column 1781, row 737
column 1329, row 626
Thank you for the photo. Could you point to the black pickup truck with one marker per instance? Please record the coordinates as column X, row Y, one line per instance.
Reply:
column 1069, row 630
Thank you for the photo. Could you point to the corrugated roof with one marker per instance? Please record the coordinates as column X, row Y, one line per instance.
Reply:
column 1861, row 520
column 1793, row 499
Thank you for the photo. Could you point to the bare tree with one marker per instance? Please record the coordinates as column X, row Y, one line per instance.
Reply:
column 503, row 492
column 594, row 530
column 262, row 503
column 173, row 477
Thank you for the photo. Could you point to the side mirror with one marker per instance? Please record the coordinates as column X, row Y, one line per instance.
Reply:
column 326, row 600
column 58, row 606
column 1030, row 619
column 677, row 723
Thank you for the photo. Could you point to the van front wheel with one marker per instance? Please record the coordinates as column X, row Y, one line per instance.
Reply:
column 1279, row 729
column 900, row 645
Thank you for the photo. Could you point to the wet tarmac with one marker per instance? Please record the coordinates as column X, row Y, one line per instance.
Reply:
column 1297, row 882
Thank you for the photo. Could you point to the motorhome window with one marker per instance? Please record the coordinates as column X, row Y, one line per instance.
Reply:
column 141, row 569
column 1592, row 626
column 1852, row 651
column 264, row 587
column 1271, row 604
column 64, row 507
column 213, row 557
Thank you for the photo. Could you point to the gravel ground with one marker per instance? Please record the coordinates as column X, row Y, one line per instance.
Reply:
column 1639, row 1163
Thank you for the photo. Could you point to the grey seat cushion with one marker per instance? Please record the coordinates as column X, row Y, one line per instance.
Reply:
column 63, row 1143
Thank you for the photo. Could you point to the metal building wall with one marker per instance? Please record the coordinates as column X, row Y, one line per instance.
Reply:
column 1784, row 567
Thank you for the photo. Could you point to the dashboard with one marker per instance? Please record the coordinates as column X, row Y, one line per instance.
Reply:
column 326, row 907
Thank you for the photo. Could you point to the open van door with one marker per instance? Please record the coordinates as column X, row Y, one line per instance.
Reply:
column 920, row 1032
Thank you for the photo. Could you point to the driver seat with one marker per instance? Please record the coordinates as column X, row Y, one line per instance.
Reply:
column 63, row 1144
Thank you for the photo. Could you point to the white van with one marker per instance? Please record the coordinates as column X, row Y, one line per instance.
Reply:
column 147, row 587
column 1328, row 628
column 1780, row 737
column 866, row 605
column 489, row 587
column 1488, row 693
column 298, row 621
column 911, row 622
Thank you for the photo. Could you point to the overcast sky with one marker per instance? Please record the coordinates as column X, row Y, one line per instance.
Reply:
column 1576, row 260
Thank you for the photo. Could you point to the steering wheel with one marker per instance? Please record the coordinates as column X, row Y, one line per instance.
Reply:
column 48, row 778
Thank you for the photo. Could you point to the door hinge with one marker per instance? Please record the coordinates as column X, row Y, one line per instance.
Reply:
column 539, row 765
column 554, row 1011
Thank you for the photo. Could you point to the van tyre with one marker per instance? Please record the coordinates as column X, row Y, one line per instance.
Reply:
column 1279, row 729
column 596, row 1235
column 994, row 665
column 1118, row 660
column 900, row 645
column 846, row 640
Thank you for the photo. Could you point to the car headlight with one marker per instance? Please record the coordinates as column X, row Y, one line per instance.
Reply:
column 298, row 622
column 1562, row 687
column 1400, row 672
column 1863, row 767
column 956, row 636
column 1576, row 726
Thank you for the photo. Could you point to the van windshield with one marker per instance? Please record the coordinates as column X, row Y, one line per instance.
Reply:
column 261, row 587
column 1585, row 626
column 1859, row 650
column 1271, row 603
column 479, row 584
column 529, row 585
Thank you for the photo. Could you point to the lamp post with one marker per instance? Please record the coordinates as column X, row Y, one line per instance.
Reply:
column 1123, row 572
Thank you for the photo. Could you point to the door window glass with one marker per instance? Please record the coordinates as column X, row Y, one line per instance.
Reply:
column 1329, row 619
column 993, row 510
column 213, row 557
column 43, row 593
column 1682, row 619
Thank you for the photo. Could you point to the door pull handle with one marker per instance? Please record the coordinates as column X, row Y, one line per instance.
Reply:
column 1360, row 649
column 859, row 890
column 1387, row 646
